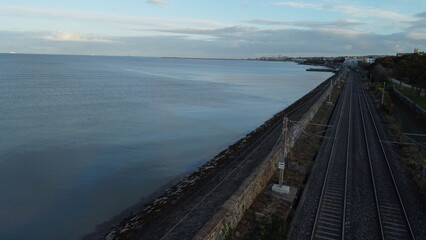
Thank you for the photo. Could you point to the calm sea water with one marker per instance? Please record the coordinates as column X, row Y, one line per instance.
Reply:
column 82, row 138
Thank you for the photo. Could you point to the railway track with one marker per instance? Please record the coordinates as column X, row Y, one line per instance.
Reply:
column 393, row 219
column 330, row 214
column 366, row 203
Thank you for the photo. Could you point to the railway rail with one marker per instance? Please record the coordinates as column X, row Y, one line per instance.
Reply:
column 393, row 219
column 331, row 211
column 352, row 192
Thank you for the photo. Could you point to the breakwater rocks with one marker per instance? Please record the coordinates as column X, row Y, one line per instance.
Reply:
column 321, row 70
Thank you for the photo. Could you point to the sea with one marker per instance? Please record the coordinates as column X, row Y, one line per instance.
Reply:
column 82, row 138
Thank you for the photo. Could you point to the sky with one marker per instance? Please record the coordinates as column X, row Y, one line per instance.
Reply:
column 213, row 28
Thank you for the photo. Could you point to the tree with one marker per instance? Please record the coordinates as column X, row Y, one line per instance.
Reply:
column 410, row 68
column 379, row 73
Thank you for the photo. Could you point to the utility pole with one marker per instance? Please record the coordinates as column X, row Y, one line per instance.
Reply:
column 288, row 192
column 281, row 164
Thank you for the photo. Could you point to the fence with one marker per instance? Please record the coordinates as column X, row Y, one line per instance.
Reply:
column 416, row 108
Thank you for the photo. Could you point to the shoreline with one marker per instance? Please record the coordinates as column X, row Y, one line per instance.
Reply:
column 230, row 59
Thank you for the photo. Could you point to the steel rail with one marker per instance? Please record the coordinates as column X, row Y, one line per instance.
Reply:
column 371, row 167
column 330, row 160
column 388, row 165
column 347, row 160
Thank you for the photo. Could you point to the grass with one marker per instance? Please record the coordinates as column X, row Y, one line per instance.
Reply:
column 412, row 94
column 271, row 228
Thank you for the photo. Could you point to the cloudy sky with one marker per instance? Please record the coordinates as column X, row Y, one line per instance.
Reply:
column 212, row 28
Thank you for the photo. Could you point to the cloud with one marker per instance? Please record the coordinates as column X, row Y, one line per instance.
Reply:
column 421, row 23
column 298, row 5
column 417, row 30
column 233, row 32
column 244, row 33
column 162, row 2
column 310, row 24
column 232, row 42
column 90, row 17
column 321, row 40
column 354, row 11
column 69, row 36
column 417, row 34
column 244, row 5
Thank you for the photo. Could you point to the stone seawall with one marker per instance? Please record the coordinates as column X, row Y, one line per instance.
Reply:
column 233, row 209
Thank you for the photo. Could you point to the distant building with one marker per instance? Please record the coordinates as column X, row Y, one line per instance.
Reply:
column 416, row 51
column 353, row 62
column 402, row 54
column 370, row 60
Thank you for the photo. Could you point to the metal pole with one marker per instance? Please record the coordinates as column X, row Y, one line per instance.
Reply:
column 331, row 90
column 281, row 164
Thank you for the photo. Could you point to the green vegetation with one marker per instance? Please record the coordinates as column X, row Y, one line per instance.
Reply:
column 321, row 61
column 363, row 64
column 412, row 94
column 387, row 105
column 270, row 227
column 410, row 68
column 413, row 159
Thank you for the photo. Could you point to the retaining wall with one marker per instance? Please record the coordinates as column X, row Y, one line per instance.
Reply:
column 233, row 209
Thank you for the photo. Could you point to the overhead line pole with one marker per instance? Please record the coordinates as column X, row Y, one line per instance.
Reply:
column 281, row 164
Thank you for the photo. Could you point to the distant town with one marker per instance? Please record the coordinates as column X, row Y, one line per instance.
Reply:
column 333, row 62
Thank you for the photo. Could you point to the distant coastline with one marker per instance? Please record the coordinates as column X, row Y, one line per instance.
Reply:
column 198, row 58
